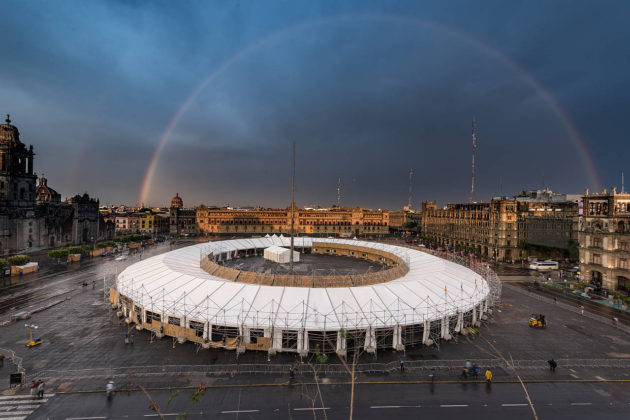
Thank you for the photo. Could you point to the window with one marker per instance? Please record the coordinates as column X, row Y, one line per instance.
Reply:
column 198, row 327
column 597, row 242
column 623, row 263
column 597, row 259
column 624, row 246
column 174, row 321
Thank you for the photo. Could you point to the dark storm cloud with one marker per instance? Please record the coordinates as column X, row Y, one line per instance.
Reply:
column 93, row 86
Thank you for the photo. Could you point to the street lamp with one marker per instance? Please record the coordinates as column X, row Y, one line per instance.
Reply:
column 37, row 341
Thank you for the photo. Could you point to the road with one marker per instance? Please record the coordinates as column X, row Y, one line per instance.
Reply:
column 446, row 401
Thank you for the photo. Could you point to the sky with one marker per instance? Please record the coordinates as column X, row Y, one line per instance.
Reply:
column 367, row 90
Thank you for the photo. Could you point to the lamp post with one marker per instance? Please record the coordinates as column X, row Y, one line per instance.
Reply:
column 32, row 343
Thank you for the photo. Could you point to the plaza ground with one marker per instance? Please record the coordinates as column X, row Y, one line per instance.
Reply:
column 83, row 345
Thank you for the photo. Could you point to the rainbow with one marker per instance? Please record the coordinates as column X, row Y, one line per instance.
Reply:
column 546, row 95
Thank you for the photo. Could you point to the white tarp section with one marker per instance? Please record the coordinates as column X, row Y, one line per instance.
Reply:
column 174, row 283
column 280, row 255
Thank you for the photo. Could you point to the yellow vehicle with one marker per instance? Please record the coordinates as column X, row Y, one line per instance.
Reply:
column 537, row 321
column 33, row 342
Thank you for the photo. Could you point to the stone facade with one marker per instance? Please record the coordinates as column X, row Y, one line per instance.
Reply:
column 31, row 217
column 604, row 233
column 343, row 221
column 182, row 221
column 506, row 229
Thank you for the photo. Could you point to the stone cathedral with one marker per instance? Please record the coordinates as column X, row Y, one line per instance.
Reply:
column 32, row 215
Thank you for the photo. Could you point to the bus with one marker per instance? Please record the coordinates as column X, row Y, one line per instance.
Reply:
column 543, row 265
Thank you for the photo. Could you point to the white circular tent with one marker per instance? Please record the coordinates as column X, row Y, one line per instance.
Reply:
column 171, row 294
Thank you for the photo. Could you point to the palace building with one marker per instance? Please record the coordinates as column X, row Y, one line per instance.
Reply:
column 506, row 228
column 342, row 221
column 604, row 229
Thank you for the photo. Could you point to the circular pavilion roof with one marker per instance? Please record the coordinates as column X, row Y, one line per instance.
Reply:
column 174, row 284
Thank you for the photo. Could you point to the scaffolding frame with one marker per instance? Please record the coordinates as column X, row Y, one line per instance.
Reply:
column 374, row 325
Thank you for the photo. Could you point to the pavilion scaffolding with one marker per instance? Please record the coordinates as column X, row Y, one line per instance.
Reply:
column 418, row 299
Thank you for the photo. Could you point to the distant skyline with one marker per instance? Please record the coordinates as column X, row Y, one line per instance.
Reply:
column 140, row 100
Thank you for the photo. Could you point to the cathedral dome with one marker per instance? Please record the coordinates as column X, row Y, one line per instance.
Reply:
column 177, row 202
column 9, row 134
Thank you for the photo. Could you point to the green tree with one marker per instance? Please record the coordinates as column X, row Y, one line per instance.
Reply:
column 19, row 259
column 58, row 253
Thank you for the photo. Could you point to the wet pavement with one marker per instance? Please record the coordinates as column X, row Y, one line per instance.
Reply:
column 83, row 334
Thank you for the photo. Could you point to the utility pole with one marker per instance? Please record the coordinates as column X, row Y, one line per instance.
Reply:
column 623, row 189
column 338, row 191
column 292, row 206
column 410, row 185
column 474, row 149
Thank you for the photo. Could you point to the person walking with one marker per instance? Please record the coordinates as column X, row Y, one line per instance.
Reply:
column 488, row 376
column 552, row 365
column 34, row 386
column 402, row 366
column 40, row 389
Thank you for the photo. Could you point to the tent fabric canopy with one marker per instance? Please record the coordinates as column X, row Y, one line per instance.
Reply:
column 175, row 284
column 280, row 255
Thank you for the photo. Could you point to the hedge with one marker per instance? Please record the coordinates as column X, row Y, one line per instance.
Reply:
column 58, row 253
column 19, row 259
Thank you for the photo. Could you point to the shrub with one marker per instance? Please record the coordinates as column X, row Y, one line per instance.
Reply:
column 19, row 259
column 74, row 250
column 58, row 253
column 3, row 264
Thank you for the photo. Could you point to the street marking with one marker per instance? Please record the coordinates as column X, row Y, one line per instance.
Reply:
column 575, row 376
column 395, row 406
column 15, row 407
column 453, row 405
column 311, row 408
column 17, row 412
column 600, row 378
column 581, row 403
column 23, row 402
column 514, row 405
column 574, row 371
column 11, row 397
column 84, row 418
column 13, row 418
column 239, row 411
column 146, row 415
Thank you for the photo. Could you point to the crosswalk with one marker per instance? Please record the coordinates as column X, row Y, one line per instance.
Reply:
column 18, row 407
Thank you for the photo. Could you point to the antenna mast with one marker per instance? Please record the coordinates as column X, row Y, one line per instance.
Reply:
column 338, row 191
column 292, row 206
column 410, row 185
column 623, row 190
column 474, row 149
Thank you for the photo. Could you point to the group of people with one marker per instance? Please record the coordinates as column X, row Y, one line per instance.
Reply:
column 129, row 338
column 37, row 388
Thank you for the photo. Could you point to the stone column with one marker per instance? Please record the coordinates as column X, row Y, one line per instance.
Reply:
column 341, row 345
column 397, row 342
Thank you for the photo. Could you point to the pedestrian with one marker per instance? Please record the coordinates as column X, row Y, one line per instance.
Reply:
column 582, row 310
column 615, row 321
column 93, row 284
column 552, row 365
column 34, row 386
column 488, row 376
column 131, row 337
column 40, row 389
column 475, row 370
column 1, row 360
column 555, row 300
column 126, row 338
column 402, row 366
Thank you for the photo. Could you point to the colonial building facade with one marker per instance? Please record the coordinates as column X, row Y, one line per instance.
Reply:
column 604, row 227
column 506, row 228
column 337, row 221
column 33, row 217
column 183, row 221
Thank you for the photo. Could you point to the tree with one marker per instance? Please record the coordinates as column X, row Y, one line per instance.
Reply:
column 19, row 259
column 58, row 253
column 574, row 249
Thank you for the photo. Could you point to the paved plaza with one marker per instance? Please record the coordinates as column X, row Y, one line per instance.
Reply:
column 83, row 346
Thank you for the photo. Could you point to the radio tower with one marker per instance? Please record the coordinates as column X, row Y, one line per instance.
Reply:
column 474, row 149
column 410, row 184
column 338, row 191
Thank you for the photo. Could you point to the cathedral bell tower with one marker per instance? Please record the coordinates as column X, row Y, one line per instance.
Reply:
column 17, row 180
